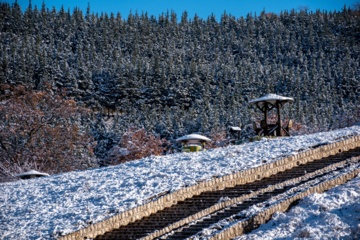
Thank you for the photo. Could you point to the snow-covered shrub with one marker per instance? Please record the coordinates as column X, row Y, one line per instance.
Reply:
column 218, row 139
column 136, row 144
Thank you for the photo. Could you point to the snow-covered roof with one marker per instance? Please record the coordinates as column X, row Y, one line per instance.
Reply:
column 32, row 173
column 271, row 98
column 193, row 137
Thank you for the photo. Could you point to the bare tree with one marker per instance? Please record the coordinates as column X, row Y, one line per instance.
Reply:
column 356, row 6
column 41, row 131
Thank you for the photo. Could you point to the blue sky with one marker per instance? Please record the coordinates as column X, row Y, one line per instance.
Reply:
column 203, row 8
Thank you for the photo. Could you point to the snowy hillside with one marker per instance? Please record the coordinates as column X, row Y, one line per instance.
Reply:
column 47, row 207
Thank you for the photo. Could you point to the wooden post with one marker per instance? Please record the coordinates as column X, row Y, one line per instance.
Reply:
column 278, row 129
column 265, row 111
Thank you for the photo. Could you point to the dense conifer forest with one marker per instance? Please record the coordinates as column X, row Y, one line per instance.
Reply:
column 173, row 75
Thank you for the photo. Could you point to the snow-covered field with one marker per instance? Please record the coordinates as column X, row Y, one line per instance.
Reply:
column 46, row 207
column 334, row 214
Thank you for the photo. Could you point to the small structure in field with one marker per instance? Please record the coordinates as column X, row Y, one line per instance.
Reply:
column 266, row 104
column 193, row 142
column 234, row 134
column 31, row 174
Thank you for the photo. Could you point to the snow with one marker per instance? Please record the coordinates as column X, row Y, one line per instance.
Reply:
column 235, row 128
column 32, row 173
column 334, row 214
column 193, row 136
column 272, row 98
column 45, row 207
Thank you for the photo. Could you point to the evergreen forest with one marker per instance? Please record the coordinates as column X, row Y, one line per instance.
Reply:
column 174, row 75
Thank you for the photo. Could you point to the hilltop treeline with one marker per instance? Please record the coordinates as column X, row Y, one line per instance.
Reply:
column 174, row 75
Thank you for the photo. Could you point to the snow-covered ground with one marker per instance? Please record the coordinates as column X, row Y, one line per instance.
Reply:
column 334, row 214
column 46, row 207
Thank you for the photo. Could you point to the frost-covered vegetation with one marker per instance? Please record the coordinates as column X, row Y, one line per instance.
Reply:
column 173, row 75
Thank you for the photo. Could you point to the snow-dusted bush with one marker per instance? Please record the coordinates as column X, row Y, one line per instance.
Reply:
column 136, row 144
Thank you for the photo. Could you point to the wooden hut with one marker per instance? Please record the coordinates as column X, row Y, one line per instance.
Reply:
column 266, row 104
